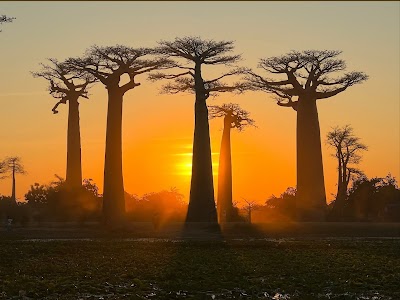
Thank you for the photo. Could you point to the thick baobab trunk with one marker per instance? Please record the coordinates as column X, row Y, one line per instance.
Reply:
column 311, row 199
column 113, row 193
column 224, row 200
column 202, row 204
column 74, row 162
column 13, row 195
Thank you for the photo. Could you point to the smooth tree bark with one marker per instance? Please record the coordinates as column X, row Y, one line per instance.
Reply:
column 348, row 150
column 68, row 85
column 192, row 54
column 108, row 65
column 234, row 118
column 302, row 79
column 14, row 166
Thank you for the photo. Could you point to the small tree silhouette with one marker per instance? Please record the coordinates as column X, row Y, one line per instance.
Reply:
column 14, row 166
column 3, row 169
column 307, row 77
column 234, row 118
column 108, row 64
column 68, row 85
column 193, row 53
column 347, row 152
column 250, row 206
column 6, row 19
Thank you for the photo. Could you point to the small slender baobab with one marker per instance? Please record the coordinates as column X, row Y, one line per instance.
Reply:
column 234, row 118
column 14, row 166
column 68, row 85
column 348, row 150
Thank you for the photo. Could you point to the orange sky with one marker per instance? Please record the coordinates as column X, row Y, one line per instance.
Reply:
column 158, row 129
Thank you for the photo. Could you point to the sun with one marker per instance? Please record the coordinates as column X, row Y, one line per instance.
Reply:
column 184, row 164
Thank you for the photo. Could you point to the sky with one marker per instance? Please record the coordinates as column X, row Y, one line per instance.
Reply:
column 158, row 128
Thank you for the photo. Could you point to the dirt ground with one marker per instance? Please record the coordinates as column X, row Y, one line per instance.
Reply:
column 64, row 230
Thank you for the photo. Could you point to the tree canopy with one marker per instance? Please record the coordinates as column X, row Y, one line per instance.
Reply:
column 238, row 117
column 65, row 82
column 109, row 63
column 309, row 73
column 190, row 53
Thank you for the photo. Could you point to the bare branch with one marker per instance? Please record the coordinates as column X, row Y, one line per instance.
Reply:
column 233, row 72
column 6, row 19
column 14, row 164
column 65, row 83
column 108, row 64
column 341, row 84
column 62, row 101
column 198, row 52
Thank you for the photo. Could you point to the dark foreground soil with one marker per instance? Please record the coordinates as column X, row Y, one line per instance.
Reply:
column 268, row 261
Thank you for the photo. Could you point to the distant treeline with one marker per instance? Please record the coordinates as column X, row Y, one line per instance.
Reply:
column 374, row 200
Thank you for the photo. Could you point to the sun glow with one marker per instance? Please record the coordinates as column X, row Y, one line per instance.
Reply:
column 184, row 164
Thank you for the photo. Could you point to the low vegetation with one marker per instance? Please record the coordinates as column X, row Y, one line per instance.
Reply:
column 173, row 269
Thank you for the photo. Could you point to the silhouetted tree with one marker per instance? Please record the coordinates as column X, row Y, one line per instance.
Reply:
column 250, row 206
column 14, row 166
column 37, row 194
column 161, row 207
column 6, row 19
column 307, row 77
column 91, row 187
column 375, row 199
column 3, row 169
column 192, row 53
column 234, row 118
column 347, row 152
column 54, row 201
column 66, row 84
column 108, row 64
column 284, row 206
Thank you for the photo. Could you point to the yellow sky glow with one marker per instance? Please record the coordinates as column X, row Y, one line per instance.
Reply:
column 158, row 128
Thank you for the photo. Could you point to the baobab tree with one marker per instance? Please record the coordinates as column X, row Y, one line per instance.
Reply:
column 302, row 79
column 68, row 85
column 14, row 166
column 108, row 65
column 191, row 54
column 348, row 150
column 234, row 118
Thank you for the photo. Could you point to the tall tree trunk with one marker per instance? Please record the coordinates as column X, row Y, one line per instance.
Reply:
column 340, row 195
column 74, row 161
column 311, row 199
column 202, row 204
column 340, row 172
column 113, row 193
column 224, row 200
column 13, row 195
